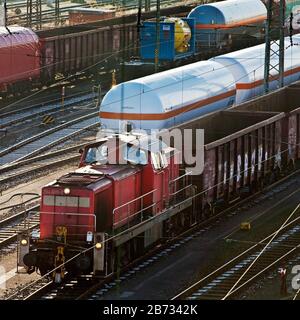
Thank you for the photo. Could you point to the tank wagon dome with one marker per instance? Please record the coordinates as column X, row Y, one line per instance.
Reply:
column 164, row 99
column 229, row 12
column 17, row 36
column 247, row 67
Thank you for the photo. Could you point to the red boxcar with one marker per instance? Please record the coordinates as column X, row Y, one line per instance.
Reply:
column 20, row 56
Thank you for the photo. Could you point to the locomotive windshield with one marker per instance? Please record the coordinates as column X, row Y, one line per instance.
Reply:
column 97, row 155
column 135, row 155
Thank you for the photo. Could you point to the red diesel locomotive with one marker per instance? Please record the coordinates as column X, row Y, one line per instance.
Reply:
column 122, row 182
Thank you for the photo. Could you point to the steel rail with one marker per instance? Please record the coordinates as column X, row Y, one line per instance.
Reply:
column 47, row 139
column 215, row 285
column 11, row 226
column 16, row 116
column 88, row 293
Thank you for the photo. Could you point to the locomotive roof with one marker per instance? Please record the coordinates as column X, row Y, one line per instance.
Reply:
column 141, row 141
column 146, row 142
column 95, row 176
column 115, row 171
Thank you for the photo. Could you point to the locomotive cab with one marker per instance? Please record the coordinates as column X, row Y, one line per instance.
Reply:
column 121, row 182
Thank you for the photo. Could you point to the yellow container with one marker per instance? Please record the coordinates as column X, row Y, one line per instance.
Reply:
column 183, row 34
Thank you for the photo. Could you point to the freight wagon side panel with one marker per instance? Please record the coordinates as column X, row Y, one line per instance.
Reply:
column 253, row 157
column 298, row 136
column 47, row 59
column 292, row 136
column 57, row 55
column 278, row 145
column 72, row 62
column 239, row 168
column 246, row 172
column 67, row 54
column 232, row 166
column 220, row 172
column 235, row 151
column 209, row 175
column 260, row 153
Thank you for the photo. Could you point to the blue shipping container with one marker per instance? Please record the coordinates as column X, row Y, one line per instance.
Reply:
column 167, row 41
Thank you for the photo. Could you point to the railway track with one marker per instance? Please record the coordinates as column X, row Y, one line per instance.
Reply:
column 13, row 225
column 20, row 115
column 49, row 15
column 217, row 284
column 26, row 167
column 93, row 288
column 46, row 140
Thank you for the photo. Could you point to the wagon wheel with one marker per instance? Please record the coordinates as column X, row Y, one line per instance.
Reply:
column 291, row 165
column 260, row 184
column 207, row 212
column 275, row 174
column 272, row 177
column 253, row 186
column 267, row 179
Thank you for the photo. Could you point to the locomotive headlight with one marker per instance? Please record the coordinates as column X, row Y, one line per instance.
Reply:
column 98, row 245
column 24, row 242
column 67, row 191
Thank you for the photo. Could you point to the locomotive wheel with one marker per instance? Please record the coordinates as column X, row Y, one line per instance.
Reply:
column 83, row 263
column 43, row 270
column 187, row 220
column 125, row 254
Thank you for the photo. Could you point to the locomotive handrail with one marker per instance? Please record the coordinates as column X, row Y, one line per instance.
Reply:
column 133, row 200
column 180, row 177
column 180, row 190
column 135, row 213
column 132, row 215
